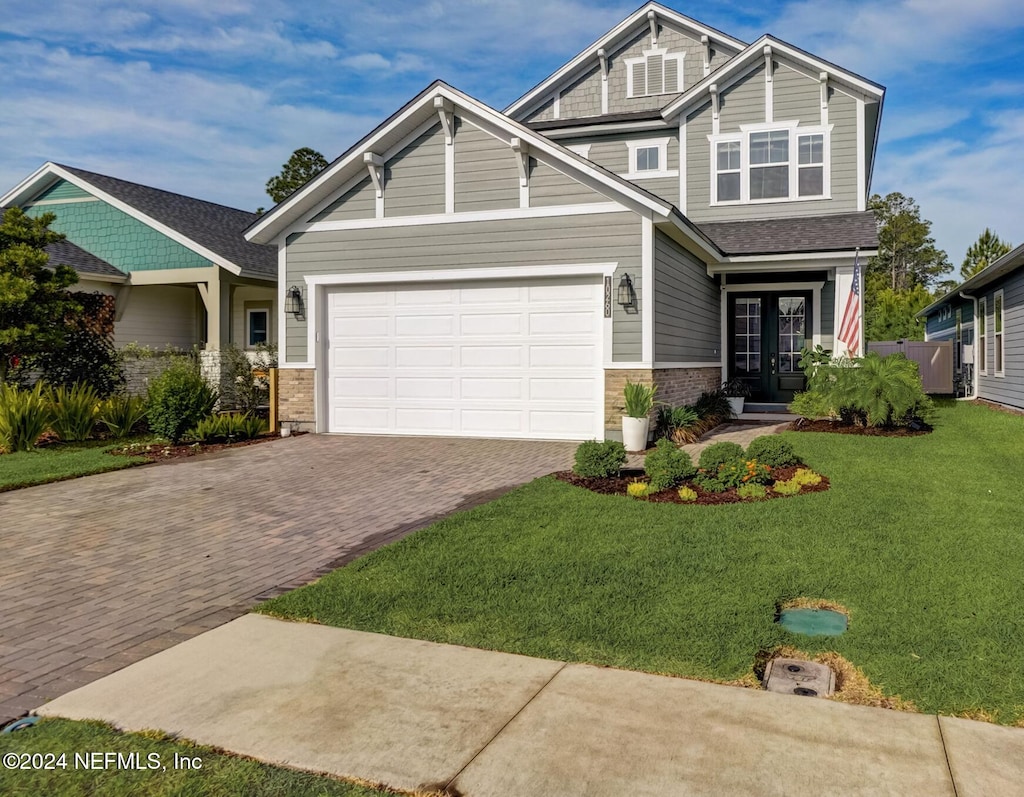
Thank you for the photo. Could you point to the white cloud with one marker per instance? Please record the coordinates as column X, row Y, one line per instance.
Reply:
column 367, row 61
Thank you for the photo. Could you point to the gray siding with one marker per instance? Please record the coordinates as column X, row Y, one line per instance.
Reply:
column 359, row 202
column 544, row 113
column 600, row 238
column 612, row 153
column 550, row 187
column 486, row 177
column 744, row 104
column 687, row 324
column 796, row 96
column 582, row 98
column 1008, row 389
column 414, row 178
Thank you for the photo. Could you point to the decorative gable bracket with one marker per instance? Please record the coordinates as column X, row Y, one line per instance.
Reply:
column 522, row 150
column 446, row 111
column 375, row 165
column 652, row 18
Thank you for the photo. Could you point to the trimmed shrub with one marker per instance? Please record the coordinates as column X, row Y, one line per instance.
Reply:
column 772, row 450
column 667, row 465
column 718, row 454
column 599, row 459
column 74, row 412
column 24, row 416
column 122, row 414
column 178, row 399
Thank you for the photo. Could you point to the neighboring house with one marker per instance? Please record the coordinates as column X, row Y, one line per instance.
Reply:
column 984, row 317
column 182, row 273
column 671, row 206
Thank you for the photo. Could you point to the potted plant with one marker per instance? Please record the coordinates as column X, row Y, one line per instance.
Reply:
column 639, row 400
column 736, row 390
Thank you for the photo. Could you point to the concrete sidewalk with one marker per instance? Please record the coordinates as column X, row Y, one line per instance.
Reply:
column 415, row 715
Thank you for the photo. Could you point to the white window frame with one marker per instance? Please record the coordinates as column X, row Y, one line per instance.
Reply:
column 662, row 146
column 795, row 133
column 982, row 338
column 998, row 338
column 642, row 59
column 248, row 326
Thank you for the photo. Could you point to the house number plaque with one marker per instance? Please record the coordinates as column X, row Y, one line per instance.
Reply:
column 607, row 297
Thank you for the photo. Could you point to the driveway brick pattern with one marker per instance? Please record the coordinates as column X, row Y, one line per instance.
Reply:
column 100, row 572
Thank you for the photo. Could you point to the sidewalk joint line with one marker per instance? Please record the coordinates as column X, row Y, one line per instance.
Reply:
column 498, row 733
column 945, row 752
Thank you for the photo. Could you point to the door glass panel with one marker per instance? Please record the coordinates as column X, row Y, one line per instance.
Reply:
column 747, row 336
column 792, row 328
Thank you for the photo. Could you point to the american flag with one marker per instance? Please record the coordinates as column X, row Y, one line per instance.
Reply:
column 849, row 330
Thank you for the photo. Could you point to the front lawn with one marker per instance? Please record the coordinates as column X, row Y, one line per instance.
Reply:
column 60, row 461
column 919, row 538
column 218, row 774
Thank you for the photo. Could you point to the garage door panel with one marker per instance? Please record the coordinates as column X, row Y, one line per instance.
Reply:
column 494, row 359
column 424, row 356
column 473, row 389
column 424, row 326
column 417, row 388
column 491, row 324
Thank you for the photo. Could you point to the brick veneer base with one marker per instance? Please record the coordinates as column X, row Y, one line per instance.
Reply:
column 295, row 388
column 675, row 386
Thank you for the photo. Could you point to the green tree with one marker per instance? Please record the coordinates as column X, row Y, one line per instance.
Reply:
column 34, row 302
column 988, row 248
column 907, row 255
column 891, row 314
column 302, row 166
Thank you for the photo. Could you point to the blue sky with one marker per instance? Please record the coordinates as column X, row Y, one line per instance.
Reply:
column 210, row 98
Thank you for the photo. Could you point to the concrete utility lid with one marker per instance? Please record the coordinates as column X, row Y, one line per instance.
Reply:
column 813, row 622
column 795, row 677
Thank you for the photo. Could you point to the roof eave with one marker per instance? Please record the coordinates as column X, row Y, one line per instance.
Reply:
column 1004, row 265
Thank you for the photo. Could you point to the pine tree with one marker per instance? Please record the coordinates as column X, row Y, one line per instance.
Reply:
column 302, row 166
column 982, row 253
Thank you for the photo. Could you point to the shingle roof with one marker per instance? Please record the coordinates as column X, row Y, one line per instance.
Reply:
column 835, row 233
column 215, row 227
column 67, row 254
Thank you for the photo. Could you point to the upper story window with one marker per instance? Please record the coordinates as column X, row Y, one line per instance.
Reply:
column 770, row 163
column 655, row 72
column 649, row 159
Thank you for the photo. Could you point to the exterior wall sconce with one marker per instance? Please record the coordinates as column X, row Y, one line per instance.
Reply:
column 627, row 296
column 293, row 301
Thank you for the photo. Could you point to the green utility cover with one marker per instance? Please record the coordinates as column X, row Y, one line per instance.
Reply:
column 813, row 622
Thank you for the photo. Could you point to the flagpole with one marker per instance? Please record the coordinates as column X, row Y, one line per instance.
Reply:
column 859, row 275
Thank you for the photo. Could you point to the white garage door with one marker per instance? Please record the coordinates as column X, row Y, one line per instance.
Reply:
column 486, row 359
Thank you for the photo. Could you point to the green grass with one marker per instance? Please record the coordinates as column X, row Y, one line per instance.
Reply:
column 60, row 461
column 221, row 774
column 919, row 537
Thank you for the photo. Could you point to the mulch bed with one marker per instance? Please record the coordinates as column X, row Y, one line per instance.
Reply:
column 836, row 427
column 165, row 452
column 616, row 485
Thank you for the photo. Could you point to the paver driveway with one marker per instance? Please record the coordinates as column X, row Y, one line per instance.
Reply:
column 100, row 572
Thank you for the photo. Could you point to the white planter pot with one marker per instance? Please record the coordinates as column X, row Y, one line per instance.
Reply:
column 736, row 402
column 634, row 433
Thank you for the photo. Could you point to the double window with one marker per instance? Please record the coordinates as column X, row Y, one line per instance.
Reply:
column 655, row 72
column 770, row 165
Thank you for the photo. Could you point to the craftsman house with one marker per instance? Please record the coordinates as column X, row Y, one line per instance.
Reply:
column 673, row 205
column 181, row 272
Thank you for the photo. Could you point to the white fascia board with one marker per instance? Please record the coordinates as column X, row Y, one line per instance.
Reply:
column 830, row 259
column 609, row 41
column 753, row 55
column 51, row 172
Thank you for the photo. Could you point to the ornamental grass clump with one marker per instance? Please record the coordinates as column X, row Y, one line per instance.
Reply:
column 24, row 416
column 667, row 465
column 74, row 411
column 599, row 460
column 122, row 414
column 639, row 399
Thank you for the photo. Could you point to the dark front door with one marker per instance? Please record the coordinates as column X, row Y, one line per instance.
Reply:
column 766, row 333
